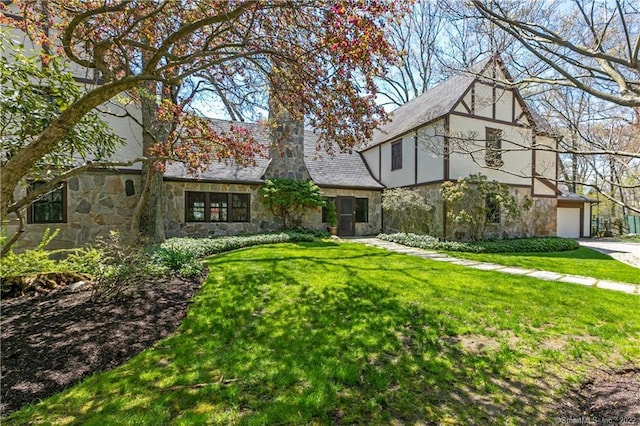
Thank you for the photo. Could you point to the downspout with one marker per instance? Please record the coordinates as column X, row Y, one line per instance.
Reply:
column 415, row 158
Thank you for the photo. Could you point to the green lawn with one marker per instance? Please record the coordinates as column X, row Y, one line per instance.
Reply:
column 323, row 333
column 583, row 261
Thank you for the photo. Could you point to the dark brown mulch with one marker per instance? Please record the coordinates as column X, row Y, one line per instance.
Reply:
column 51, row 341
column 610, row 397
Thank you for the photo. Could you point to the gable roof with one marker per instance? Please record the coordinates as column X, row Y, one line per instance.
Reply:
column 429, row 106
column 342, row 170
column 441, row 100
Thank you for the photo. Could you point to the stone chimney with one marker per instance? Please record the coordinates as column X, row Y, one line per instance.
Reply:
column 286, row 149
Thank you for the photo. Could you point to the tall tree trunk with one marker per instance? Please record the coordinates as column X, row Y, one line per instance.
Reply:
column 151, row 225
column 148, row 220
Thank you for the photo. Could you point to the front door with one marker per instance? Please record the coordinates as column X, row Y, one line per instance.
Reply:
column 346, row 209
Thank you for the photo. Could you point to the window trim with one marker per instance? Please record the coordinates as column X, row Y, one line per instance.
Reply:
column 396, row 158
column 207, row 206
column 31, row 214
column 493, row 148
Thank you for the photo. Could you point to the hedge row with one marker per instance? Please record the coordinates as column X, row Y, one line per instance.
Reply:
column 201, row 247
column 515, row 245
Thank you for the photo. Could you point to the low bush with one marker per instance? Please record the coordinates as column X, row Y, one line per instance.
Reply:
column 122, row 263
column 196, row 248
column 515, row 245
column 42, row 261
column 115, row 263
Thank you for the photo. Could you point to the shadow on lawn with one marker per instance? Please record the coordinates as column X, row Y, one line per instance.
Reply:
column 260, row 346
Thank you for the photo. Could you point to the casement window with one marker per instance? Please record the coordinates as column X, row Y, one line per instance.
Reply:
column 493, row 211
column 396, row 155
column 493, row 151
column 327, row 200
column 362, row 210
column 239, row 207
column 216, row 207
column 49, row 208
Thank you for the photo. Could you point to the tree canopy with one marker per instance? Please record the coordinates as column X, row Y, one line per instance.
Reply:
column 319, row 57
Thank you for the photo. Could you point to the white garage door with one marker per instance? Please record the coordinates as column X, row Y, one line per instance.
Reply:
column 568, row 222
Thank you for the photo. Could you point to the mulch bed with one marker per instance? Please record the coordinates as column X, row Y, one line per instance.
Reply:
column 608, row 397
column 51, row 341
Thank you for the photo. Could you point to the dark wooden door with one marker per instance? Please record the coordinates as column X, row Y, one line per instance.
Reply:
column 346, row 209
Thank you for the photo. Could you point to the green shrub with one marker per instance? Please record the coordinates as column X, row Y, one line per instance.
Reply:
column 289, row 198
column 515, row 245
column 85, row 260
column 201, row 247
column 32, row 261
column 332, row 214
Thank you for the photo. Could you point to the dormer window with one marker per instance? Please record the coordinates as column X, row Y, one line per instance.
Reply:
column 396, row 155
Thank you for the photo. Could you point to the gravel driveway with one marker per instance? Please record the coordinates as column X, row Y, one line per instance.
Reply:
column 623, row 251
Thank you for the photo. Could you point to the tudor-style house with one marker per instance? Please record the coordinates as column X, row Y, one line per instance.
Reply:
column 468, row 124
column 472, row 124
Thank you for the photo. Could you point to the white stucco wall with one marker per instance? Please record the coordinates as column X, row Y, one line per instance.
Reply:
column 483, row 100
column 430, row 152
column 126, row 128
column 504, row 106
column 405, row 175
column 372, row 158
column 517, row 161
column 539, row 188
column 546, row 157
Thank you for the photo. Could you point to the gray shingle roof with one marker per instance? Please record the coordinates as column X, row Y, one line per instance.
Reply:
column 228, row 171
column 341, row 170
column 572, row 196
column 429, row 106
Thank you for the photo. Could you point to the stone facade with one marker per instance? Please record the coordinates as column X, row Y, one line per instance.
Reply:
column 539, row 220
column 373, row 226
column 431, row 223
column 261, row 217
column 96, row 204
column 287, row 149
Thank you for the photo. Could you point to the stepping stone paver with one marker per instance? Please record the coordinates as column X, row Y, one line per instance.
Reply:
column 612, row 285
column 546, row 275
column 486, row 266
column 543, row 275
column 516, row 271
column 464, row 262
column 575, row 279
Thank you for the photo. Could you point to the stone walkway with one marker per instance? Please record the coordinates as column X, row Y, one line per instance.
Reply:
column 484, row 266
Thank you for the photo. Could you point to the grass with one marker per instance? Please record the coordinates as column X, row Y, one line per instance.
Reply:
column 322, row 333
column 583, row 261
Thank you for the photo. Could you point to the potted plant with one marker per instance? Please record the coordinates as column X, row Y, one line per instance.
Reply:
column 332, row 218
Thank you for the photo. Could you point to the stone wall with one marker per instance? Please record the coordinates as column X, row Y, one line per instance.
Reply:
column 96, row 204
column 287, row 149
column 373, row 226
column 431, row 224
column 539, row 220
column 261, row 217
